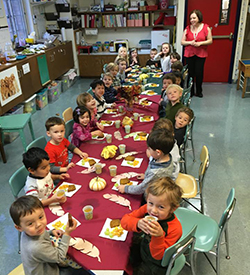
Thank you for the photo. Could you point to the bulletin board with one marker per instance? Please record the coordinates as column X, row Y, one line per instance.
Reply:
column 4, row 37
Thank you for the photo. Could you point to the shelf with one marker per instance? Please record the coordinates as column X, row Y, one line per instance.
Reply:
column 123, row 12
column 42, row 3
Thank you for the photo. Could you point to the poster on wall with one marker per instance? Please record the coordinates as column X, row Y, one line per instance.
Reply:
column 10, row 87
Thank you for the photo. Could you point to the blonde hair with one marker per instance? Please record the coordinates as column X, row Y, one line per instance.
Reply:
column 164, row 123
column 107, row 74
column 174, row 86
column 166, row 186
column 111, row 66
column 83, row 98
column 119, row 54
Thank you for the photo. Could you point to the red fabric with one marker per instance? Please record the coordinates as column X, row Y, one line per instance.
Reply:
column 114, row 254
column 202, row 36
column 58, row 154
column 157, row 244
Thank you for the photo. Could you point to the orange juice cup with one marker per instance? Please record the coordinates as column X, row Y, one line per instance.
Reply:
column 88, row 212
column 109, row 138
column 60, row 193
column 122, row 148
column 98, row 168
column 112, row 170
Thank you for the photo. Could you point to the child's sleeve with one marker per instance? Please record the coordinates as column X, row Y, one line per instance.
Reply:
column 31, row 187
column 52, row 160
column 129, row 221
column 80, row 134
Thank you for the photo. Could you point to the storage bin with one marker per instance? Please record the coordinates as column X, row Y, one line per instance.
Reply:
column 67, row 24
column 9, row 137
column 54, row 92
column 42, row 99
column 51, row 16
column 68, row 79
column 62, row 7
column 30, row 105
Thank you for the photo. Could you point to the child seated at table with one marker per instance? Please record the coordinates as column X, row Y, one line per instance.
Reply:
column 174, row 93
column 174, row 57
column 121, row 62
column 98, row 90
column 177, row 66
column 152, row 62
column 58, row 146
column 84, row 128
column 113, row 69
column 85, row 99
column 39, row 182
column 123, row 53
column 167, row 80
column 133, row 58
column 182, row 119
column 164, row 56
column 110, row 92
column 160, row 143
column 164, row 123
column 178, row 78
column 39, row 255
column 155, row 225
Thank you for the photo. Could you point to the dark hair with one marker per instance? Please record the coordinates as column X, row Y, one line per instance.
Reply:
column 175, row 55
column 154, row 49
column 170, row 76
column 79, row 111
column 96, row 82
column 23, row 206
column 34, row 157
column 198, row 13
column 162, row 140
column 164, row 123
column 165, row 43
column 177, row 74
column 187, row 111
column 52, row 121
column 177, row 65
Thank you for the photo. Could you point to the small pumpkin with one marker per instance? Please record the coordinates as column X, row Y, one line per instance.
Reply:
column 97, row 184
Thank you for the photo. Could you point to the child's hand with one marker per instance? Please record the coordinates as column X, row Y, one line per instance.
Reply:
column 70, row 165
column 62, row 199
column 57, row 233
column 121, row 188
column 140, row 177
column 97, row 133
column 64, row 176
column 113, row 105
column 68, row 229
column 142, row 224
column 83, row 155
column 154, row 228
column 99, row 126
column 160, row 100
column 126, row 79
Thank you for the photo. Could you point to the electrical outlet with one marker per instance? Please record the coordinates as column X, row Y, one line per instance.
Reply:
column 34, row 19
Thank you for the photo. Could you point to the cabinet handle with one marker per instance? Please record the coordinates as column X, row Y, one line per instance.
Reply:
column 64, row 52
column 19, row 72
column 52, row 58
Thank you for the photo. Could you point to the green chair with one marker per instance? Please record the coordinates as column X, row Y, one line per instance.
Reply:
column 17, row 123
column 38, row 142
column 17, row 182
column 209, row 233
column 174, row 254
column 2, row 149
column 69, row 128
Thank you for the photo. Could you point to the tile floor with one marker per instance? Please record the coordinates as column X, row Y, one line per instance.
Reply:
column 222, row 124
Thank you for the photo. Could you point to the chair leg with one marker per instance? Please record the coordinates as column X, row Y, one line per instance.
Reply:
column 19, row 242
column 23, row 139
column 227, row 243
column 2, row 151
column 192, row 145
column 31, row 129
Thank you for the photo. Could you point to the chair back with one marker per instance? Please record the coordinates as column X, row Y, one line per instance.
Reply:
column 185, row 67
column 204, row 158
column 185, row 79
column 171, row 254
column 69, row 128
column 17, row 180
column 231, row 202
column 38, row 142
column 67, row 114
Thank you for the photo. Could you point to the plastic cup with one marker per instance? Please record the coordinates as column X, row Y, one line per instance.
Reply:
column 136, row 115
column 98, row 168
column 121, row 108
column 60, row 194
column 144, row 81
column 112, row 170
column 127, row 129
column 109, row 138
column 88, row 212
column 122, row 148
column 151, row 218
column 117, row 124
column 136, row 99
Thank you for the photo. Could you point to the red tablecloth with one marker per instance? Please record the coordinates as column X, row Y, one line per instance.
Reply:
column 114, row 254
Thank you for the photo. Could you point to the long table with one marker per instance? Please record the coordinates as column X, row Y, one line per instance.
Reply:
column 114, row 254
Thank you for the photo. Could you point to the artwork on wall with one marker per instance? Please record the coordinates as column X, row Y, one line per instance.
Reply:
column 10, row 87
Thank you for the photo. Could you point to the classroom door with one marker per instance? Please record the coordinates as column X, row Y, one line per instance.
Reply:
column 220, row 15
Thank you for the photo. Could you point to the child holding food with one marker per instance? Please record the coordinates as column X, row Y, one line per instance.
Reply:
column 39, row 255
column 84, row 128
column 157, row 226
column 39, row 182
column 160, row 143
column 57, row 147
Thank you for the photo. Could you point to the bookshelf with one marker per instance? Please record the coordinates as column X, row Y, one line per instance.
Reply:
column 122, row 19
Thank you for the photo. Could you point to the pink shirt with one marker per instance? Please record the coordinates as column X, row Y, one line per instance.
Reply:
column 201, row 36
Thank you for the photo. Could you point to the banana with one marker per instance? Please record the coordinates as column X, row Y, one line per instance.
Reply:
column 109, row 151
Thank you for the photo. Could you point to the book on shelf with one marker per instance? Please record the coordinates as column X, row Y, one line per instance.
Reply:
column 146, row 19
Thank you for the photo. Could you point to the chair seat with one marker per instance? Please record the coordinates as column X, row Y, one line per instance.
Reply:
column 14, row 122
column 207, row 229
column 188, row 185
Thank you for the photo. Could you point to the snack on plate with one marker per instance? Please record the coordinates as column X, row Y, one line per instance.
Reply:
column 101, row 135
column 71, row 188
column 91, row 162
column 124, row 181
column 114, row 223
column 147, row 118
column 106, row 122
column 151, row 92
column 142, row 134
column 70, row 220
column 130, row 158
column 127, row 121
column 144, row 102
column 154, row 85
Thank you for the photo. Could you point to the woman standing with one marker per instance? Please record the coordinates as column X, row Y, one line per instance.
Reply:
column 195, row 38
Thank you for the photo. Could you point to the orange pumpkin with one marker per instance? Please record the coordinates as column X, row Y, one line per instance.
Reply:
column 97, row 184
